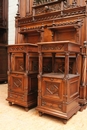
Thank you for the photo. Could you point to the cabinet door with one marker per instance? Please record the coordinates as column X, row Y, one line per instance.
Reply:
column 16, row 83
column 52, row 89
column 17, row 62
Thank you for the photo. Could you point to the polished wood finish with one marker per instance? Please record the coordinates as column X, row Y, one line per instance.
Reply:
column 56, row 21
column 3, row 39
column 22, row 75
column 51, row 21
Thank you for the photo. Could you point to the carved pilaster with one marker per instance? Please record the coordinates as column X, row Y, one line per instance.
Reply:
column 27, row 7
column 27, row 62
column 40, row 63
column 77, row 63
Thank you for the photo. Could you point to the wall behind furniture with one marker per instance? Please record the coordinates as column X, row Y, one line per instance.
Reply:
column 12, row 10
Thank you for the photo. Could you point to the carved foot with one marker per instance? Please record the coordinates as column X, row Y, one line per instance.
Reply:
column 40, row 113
column 26, row 109
column 82, row 107
column 10, row 103
column 64, row 121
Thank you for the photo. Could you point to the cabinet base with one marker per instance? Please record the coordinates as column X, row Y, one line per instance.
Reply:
column 60, row 114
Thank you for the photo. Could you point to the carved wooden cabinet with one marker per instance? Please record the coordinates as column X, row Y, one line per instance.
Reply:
column 3, row 39
column 58, row 93
column 22, row 75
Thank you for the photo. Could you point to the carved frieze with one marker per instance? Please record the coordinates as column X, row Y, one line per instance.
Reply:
column 53, row 47
column 17, row 48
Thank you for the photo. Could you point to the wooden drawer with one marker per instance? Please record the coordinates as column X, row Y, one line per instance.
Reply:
column 15, row 97
column 52, row 105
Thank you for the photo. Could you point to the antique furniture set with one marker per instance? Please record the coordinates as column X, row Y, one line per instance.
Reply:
column 3, row 39
column 51, row 48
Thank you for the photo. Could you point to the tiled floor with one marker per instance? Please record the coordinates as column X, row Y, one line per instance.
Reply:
column 16, row 118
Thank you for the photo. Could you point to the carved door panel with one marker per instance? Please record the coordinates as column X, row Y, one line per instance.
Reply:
column 17, row 62
column 52, row 93
column 52, row 88
column 16, row 82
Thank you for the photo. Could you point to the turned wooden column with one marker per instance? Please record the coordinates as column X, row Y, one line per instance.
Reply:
column 83, row 79
column 27, row 62
column 83, row 85
column 27, row 7
column 18, row 11
column 77, row 63
column 66, row 65
column 53, row 62
column 40, row 78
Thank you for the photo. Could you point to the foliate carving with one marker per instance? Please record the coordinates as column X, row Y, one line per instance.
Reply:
column 56, row 15
column 35, row 29
column 17, row 82
column 52, row 88
column 42, row 2
column 49, row 8
column 73, row 5
column 76, row 23
column 53, row 47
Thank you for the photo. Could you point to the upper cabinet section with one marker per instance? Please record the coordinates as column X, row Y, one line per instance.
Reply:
column 38, row 7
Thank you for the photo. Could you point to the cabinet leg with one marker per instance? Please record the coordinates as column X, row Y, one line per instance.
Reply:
column 64, row 121
column 82, row 107
column 10, row 103
column 40, row 113
column 26, row 109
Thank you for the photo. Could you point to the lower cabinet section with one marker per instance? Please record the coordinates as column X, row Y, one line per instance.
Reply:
column 22, row 90
column 58, row 96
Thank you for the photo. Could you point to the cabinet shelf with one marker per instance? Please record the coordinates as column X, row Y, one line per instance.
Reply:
column 58, row 75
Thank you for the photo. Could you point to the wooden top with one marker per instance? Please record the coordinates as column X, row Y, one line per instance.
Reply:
column 23, row 47
column 59, row 75
column 24, row 44
column 59, row 47
column 59, row 42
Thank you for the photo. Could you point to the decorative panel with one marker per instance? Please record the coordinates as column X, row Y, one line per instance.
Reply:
column 17, row 84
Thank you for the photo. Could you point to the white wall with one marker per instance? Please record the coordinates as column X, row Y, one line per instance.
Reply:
column 12, row 10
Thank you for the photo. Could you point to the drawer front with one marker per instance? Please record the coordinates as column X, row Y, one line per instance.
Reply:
column 52, row 105
column 15, row 97
column 16, row 83
column 52, row 89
